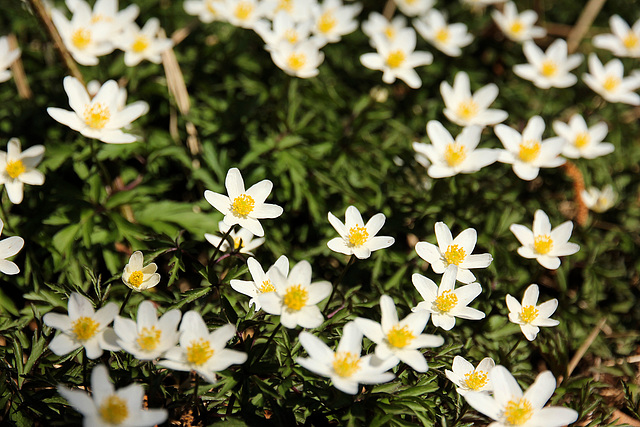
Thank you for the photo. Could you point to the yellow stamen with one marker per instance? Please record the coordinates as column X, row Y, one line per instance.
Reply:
column 114, row 410
column 476, row 380
column 400, row 337
column 454, row 255
column 211, row 8
column 291, row 35
column 446, row 301
column 528, row 314
column 455, row 154
column 136, row 278
column 140, row 44
column 243, row 205
column 518, row 412
column 296, row 61
column 15, row 168
column 346, row 364
column 243, row 10
column 582, row 139
column 549, row 68
column 149, row 338
column 396, row 58
column 199, row 352
column 357, row 236
column 543, row 244
column 631, row 40
column 81, row 38
column 96, row 115
column 296, row 297
column 285, row 5
column 267, row 286
column 84, row 328
column 389, row 32
column 610, row 83
column 529, row 150
column 468, row 109
column 326, row 22
column 516, row 27
column 442, row 35
column 238, row 243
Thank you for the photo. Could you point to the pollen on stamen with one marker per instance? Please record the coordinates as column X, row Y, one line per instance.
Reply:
column 96, row 115
column 631, row 41
column 140, row 44
column 442, row 35
column 549, row 68
column 15, row 168
column 446, row 301
column 136, row 278
column 454, row 255
column 242, row 205
column 455, row 154
column 346, row 364
column 400, row 337
column 327, row 22
column 84, row 328
column 81, row 38
column 267, row 286
column 199, row 352
column 611, row 83
column 396, row 58
column 114, row 410
column 518, row 412
column 468, row 109
column 296, row 61
column 528, row 314
column 516, row 27
column 243, row 10
column 296, row 297
column 149, row 338
column 543, row 244
column 476, row 380
column 357, row 236
column 582, row 139
column 291, row 35
column 529, row 150
column 389, row 32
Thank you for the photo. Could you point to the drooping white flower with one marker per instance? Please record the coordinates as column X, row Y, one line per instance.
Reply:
column 295, row 298
column 527, row 152
column 599, row 201
column 465, row 109
column 202, row 351
column 7, row 57
column 397, row 58
column 108, row 407
column 377, row 25
column 332, row 20
column 356, row 237
column 550, row 68
column 300, row 60
column 243, row 239
column 609, row 82
column 623, row 41
column 9, row 247
column 346, row 368
column 510, row 407
column 140, row 44
column 139, row 277
column 245, row 13
column 148, row 337
column 244, row 207
column 399, row 340
column 581, row 141
column 283, row 29
column 206, row 10
column 449, row 157
column 447, row 38
column 468, row 378
column 82, row 327
column 414, row 7
column 543, row 243
column 444, row 302
column 529, row 315
column 19, row 167
column 100, row 117
column 518, row 27
column 262, row 282
column 452, row 251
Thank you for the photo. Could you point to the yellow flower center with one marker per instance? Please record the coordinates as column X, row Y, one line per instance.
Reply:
column 211, row 8
column 243, row 10
column 100, row 18
column 631, row 40
column 81, row 38
column 267, row 286
column 442, row 35
column 528, row 314
column 114, row 410
column 15, row 168
column 140, row 44
column 543, row 244
column 346, row 364
column 549, row 68
column 389, row 32
column 518, row 412
column 149, row 338
column 602, row 204
column 296, row 60
column 446, row 301
column 291, row 35
column 467, row 109
column 516, row 27
column 396, row 58
column 238, row 243
column 136, row 278
column 96, row 115
column 285, row 5
column 199, row 352
column 296, row 297
column 476, row 380
column 400, row 337
column 455, row 154
column 582, row 139
column 529, row 150
column 327, row 22
column 84, row 328
column 357, row 236
column 243, row 205
column 454, row 255
column 610, row 83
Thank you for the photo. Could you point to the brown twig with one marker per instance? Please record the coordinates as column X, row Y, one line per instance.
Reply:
column 389, row 9
column 583, row 348
column 574, row 173
column 585, row 20
column 19, row 76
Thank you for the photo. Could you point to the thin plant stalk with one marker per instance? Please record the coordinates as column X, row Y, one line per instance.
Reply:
column 337, row 282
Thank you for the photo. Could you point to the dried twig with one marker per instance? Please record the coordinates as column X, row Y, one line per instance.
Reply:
column 389, row 9
column 19, row 76
column 584, row 347
column 584, row 22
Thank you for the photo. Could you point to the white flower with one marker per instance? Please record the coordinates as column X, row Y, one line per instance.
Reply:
column 284, row 29
column 262, row 282
column 300, row 60
column 356, row 237
column 414, row 7
column 444, row 302
column 100, row 117
column 481, row 3
column 452, row 251
column 202, row 351
column 599, row 201
column 296, row 297
column 447, row 38
column 18, row 168
column 397, row 58
column 139, row 277
column 9, row 247
column 450, row 157
column 206, row 10
column 245, row 13
column 581, row 141
column 465, row 109
column 345, row 367
column 139, row 44
column 624, row 41
column 551, row 68
column 106, row 11
column 244, row 207
column 468, row 378
column 527, row 152
column 108, row 407
column 518, row 27
column 332, row 20
column 510, row 407
column 399, row 340
column 298, row 10
column 377, row 25
column 148, row 338
column 83, row 327
column 7, row 57
column 609, row 82
column 543, row 243
column 243, row 240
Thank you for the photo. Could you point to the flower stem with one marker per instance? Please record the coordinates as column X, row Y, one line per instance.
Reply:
column 212, row 261
column 269, row 340
column 337, row 282
column 124, row 303
column 512, row 349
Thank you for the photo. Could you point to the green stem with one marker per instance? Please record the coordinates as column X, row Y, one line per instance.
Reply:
column 217, row 251
column 269, row 340
column 5, row 217
column 85, row 378
column 337, row 282
column 512, row 349
column 126, row 299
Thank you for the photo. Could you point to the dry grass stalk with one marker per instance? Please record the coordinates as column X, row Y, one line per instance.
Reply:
column 584, row 347
column 389, row 9
column 585, row 20
column 19, row 76
column 574, row 173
